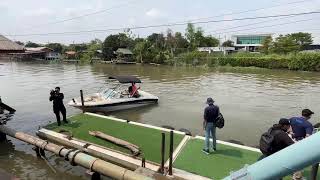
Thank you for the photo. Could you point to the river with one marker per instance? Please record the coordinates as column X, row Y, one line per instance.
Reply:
column 251, row 100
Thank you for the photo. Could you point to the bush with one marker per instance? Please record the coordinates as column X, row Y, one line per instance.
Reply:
column 306, row 61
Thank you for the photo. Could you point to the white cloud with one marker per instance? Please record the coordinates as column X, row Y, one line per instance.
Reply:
column 154, row 13
column 39, row 12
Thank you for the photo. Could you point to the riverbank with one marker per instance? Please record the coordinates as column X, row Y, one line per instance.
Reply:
column 304, row 61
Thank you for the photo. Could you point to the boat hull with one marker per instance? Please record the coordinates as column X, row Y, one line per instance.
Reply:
column 118, row 106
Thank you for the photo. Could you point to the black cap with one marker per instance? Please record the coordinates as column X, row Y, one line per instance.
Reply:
column 307, row 112
column 284, row 121
column 210, row 100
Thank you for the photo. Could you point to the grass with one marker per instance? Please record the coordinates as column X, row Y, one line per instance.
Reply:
column 216, row 165
column 149, row 140
column 219, row 164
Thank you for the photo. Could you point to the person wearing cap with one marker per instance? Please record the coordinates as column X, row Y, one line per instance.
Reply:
column 301, row 127
column 211, row 112
column 281, row 138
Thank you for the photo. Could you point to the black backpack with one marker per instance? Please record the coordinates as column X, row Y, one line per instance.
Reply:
column 220, row 121
column 266, row 141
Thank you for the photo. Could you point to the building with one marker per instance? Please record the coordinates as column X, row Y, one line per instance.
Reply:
column 312, row 48
column 249, row 42
column 124, row 55
column 43, row 53
column 7, row 46
column 70, row 55
column 224, row 50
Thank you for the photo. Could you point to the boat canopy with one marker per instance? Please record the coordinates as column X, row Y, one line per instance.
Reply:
column 126, row 79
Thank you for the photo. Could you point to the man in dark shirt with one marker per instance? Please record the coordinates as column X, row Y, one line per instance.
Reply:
column 211, row 112
column 301, row 127
column 281, row 138
column 58, row 106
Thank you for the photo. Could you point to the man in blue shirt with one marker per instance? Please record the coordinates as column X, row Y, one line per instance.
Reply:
column 301, row 127
column 211, row 113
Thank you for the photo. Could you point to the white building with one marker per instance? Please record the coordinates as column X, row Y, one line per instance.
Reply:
column 248, row 42
column 225, row 50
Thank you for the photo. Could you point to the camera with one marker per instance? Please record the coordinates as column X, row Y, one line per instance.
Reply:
column 52, row 91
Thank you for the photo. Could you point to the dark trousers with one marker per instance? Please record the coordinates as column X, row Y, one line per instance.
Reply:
column 57, row 111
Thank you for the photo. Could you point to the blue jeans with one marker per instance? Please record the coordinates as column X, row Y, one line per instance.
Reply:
column 210, row 131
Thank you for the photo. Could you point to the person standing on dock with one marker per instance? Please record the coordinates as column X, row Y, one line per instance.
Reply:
column 211, row 112
column 58, row 105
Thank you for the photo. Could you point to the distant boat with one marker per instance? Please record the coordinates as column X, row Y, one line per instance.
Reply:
column 116, row 98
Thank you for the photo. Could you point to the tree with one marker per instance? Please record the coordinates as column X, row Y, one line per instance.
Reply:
column 266, row 45
column 285, row 44
column 302, row 39
column 157, row 40
column 32, row 44
column 57, row 47
column 113, row 42
column 209, row 41
column 191, row 35
column 181, row 42
column 228, row 43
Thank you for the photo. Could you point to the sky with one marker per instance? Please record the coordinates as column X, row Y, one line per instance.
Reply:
column 19, row 19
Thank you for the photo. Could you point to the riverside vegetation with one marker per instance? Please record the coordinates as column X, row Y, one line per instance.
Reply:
column 174, row 48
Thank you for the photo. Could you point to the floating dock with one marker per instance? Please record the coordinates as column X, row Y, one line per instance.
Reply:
column 189, row 162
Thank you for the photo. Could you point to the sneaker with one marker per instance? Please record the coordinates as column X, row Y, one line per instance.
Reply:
column 206, row 151
column 65, row 121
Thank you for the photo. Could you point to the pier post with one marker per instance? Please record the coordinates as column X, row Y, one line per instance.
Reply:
column 163, row 145
column 171, row 153
column 82, row 101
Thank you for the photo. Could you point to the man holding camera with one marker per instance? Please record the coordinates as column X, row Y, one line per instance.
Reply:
column 58, row 106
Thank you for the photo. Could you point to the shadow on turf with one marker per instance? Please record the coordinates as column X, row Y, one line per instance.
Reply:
column 229, row 152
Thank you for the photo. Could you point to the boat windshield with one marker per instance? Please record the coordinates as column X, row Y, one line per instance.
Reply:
column 111, row 92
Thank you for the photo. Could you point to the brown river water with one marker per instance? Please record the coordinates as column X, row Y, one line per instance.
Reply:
column 251, row 100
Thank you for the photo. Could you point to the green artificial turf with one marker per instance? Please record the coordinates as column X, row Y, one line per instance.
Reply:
column 148, row 139
column 219, row 164
column 216, row 165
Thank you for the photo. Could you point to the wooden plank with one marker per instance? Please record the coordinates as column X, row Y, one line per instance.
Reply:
column 90, row 147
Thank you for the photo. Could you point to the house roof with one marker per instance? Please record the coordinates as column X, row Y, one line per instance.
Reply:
column 7, row 44
column 123, row 51
column 39, row 49
column 126, row 79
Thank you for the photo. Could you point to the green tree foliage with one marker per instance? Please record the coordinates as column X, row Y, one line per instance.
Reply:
column 285, row 44
column 266, row 45
column 113, row 42
column 209, row 41
column 302, row 39
column 56, row 47
column 228, row 43
column 32, row 44
column 181, row 42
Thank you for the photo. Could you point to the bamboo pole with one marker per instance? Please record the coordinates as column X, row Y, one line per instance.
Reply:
column 76, row 157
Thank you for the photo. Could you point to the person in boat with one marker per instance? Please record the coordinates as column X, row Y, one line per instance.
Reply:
column 133, row 90
column 211, row 112
column 57, row 97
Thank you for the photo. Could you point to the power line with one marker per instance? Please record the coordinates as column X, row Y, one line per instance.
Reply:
column 246, row 11
column 168, row 25
column 235, row 27
column 280, row 24
column 85, row 15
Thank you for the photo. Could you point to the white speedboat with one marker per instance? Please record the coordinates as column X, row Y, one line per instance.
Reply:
column 116, row 98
